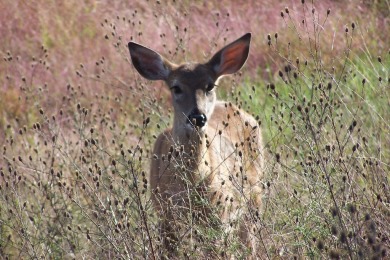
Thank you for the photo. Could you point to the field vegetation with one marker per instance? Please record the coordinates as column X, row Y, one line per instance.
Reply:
column 77, row 125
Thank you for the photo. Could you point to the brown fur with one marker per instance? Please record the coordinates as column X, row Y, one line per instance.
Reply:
column 220, row 162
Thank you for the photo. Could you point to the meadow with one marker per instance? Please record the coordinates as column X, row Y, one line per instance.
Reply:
column 77, row 125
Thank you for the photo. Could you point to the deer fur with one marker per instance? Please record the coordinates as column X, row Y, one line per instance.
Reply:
column 213, row 151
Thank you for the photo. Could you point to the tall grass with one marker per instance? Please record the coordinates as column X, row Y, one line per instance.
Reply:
column 78, row 125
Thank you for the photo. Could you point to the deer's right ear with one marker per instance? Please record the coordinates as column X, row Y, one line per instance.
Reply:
column 149, row 63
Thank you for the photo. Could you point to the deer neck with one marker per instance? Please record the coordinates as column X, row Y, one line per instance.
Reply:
column 194, row 140
column 194, row 149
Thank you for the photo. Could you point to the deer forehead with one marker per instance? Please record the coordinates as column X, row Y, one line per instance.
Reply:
column 192, row 76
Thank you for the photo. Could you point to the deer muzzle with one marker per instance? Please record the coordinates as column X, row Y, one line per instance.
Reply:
column 198, row 120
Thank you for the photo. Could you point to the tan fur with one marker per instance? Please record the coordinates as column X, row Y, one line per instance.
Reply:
column 220, row 162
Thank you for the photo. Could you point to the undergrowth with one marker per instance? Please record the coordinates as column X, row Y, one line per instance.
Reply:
column 75, row 163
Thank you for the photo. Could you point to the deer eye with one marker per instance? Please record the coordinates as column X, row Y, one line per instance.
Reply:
column 210, row 87
column 176, row 90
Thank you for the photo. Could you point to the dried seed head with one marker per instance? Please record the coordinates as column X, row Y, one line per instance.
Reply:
column 333, row 211
column 277, row 156
column 320, row 245
column 371, row 239
column 334, row 230
column 333, row 254
column 343, row 237
column 372, row 227
column 352, row 208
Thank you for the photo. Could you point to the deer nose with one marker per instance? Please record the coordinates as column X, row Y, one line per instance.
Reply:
column 198, row 120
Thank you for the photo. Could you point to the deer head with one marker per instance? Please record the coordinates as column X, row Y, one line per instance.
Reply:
column 192, row 85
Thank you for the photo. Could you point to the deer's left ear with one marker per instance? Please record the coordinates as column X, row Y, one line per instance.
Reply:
column 232, row 57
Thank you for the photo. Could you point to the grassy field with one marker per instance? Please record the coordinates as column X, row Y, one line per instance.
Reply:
column 77, row 124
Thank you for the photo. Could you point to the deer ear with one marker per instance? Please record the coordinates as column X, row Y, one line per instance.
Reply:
column 149, row 63
column 232, row 57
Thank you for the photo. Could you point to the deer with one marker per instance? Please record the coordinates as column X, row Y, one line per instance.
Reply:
column 209, row 163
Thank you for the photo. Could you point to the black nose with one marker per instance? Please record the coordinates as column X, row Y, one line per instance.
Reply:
column 198, row 120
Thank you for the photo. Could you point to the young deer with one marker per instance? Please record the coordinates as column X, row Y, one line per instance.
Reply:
column 210, row 162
